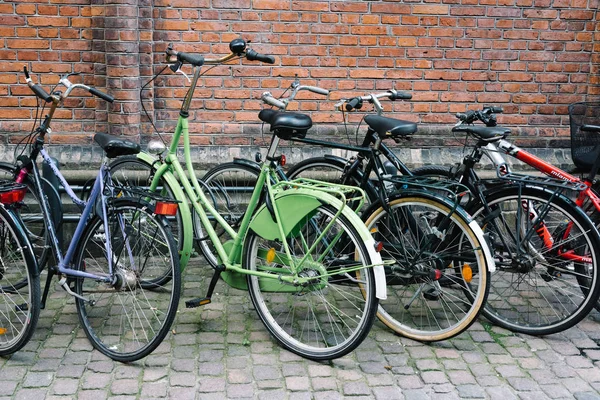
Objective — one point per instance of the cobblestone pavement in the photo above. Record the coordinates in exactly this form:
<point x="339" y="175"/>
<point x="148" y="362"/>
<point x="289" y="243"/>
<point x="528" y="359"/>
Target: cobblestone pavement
<point x="223" y="351"/>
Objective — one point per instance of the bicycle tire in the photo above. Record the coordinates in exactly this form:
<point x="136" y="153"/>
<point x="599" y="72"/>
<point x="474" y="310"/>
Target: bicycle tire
<point x="539" y="293"/>
<point x="439" y="284"/>
<point x="19" y="285"/>
<point x="293" y="322"/>
<point x="29" y="212"/>
<point x="230" y="187"/>
<point x="130" y="171"/>
<point x="129" y="302"/>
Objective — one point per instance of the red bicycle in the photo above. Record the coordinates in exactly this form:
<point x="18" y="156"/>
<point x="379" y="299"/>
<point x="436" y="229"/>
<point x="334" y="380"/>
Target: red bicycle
<point x="544" y="245"/>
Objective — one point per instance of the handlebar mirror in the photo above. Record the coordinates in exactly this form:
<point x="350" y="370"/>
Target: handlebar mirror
<point x="237" y="46"/>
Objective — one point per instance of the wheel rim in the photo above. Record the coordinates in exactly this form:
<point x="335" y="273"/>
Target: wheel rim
<point x="419" y="305"/>
<point x="326" y="321"/>
<point x="539" y="290"/>
<point x="128" y="319"/>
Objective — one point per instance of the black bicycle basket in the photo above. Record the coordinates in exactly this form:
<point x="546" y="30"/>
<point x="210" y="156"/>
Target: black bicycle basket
<point x="585" y="146"/>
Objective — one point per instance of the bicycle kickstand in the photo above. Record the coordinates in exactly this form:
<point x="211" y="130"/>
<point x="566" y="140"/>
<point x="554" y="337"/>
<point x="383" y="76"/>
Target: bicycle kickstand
<point x="197" y="302"/>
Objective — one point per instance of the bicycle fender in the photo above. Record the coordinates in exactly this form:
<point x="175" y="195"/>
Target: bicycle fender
<point x="490" y="263"/>
<point x="248" y="163"/>
<point x="294" y="205"/>
<point x="186" y="215"/>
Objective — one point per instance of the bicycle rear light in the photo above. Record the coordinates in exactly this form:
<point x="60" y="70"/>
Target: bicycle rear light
<point x="14" y="196"/>
<point x="164" y="208"/>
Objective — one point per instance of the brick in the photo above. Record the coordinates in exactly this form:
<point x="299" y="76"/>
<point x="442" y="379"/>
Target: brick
<point x="430" y="9"/>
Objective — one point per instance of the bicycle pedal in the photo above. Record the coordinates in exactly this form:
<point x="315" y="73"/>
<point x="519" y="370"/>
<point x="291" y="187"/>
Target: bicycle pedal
<point x="431" y="294"/>
<point x="197" y="302"/>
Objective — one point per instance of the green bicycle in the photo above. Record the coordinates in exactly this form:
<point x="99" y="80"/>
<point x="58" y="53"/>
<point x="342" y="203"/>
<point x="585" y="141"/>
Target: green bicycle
<point x="310" y="264"/>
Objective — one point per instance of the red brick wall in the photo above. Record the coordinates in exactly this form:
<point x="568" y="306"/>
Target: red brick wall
<point x="533" y="57"/>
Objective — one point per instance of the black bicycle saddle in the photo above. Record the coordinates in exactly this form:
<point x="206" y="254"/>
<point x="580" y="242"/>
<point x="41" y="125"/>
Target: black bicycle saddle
<point x="114" y="146"/>
<point x="390" y="127"/>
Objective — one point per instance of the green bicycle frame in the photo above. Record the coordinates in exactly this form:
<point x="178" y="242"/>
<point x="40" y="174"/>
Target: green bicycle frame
<point x="303" y="201"/>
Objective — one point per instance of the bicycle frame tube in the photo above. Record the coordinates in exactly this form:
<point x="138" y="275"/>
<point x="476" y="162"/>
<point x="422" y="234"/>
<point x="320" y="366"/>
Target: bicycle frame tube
<point x="64" y="262"/>
<point x="201" y="204"/>
<point x="62" y="179"/>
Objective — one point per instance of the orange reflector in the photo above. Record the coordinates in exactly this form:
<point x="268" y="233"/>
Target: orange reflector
<point x="13" y="196"/>
<point x="282" y="160"/>
<point x="271" y="255"/>
<point x="467" y="273"/>
<point x="165" y="208"/>
<point x="2" y="331"/>
<point x="373" y="230"/>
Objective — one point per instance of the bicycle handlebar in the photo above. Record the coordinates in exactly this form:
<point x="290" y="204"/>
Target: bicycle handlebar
<point x="102" y="95"/>
<point x="356" y="103"/>
<point x="268" y="98"/>
<point x="237" y="47"/>
<point x="272" y="101"/>
<point x="486" y="115"/>
<point x="42" y="94"/>
<point x="35" y="88"/>
<point x="252" y="55"/>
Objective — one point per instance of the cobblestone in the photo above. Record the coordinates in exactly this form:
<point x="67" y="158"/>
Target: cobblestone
<point x="209" y="357"/>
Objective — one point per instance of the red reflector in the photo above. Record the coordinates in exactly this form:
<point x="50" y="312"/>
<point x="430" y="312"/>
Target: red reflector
<point x="282" y="160"/>
<point x="165" y="208"/>
<point x="378" y="246"/>
<point x="438" y="274"/>
<point x="13" y="196"/>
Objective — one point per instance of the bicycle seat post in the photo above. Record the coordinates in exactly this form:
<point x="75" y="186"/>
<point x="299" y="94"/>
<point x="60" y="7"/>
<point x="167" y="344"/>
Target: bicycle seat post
<point x="273" y="148"/>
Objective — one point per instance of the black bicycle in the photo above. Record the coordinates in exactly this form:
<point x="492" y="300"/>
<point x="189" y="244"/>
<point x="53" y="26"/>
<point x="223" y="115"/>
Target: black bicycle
<point x="438" y="262"/>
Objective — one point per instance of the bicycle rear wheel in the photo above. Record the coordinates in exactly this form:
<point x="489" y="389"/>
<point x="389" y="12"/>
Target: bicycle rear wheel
<point x="327" y="317"/>
<point x="439" y="281"/>
<point x="546" y="252"/>
<point x="19" y="286"/>
<point x="129" y="317"/>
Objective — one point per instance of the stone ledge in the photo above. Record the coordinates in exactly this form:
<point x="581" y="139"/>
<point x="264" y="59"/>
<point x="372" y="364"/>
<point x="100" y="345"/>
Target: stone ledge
<point x="80" y="163"/>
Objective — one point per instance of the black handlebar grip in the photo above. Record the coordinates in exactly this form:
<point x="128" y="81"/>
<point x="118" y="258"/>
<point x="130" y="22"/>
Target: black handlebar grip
<point x="25" y="71"/>
<point x="497" y="110"/>
<point x="353" y="104"/>
<point x="41" y="93"/>
<point x="193" y="59"/>
<point x="102" y="95"/>
<point x="466" y="117"/>
<point x="252" y="55"/>
<point x="400" y="95"/>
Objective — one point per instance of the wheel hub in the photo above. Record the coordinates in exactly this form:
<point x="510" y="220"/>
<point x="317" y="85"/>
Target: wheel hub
<point x="125" y="280"/>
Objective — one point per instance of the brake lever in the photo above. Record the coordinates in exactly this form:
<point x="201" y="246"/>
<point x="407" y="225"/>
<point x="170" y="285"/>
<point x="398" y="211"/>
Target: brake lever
<point x="177" y="69"/>
<point x="184" y="74"/>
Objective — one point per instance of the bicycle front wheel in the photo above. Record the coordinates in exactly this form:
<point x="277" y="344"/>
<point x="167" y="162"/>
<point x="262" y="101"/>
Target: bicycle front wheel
<point x="546" y="252"/>
<point x="19" y="286"/>
<point x="128" y="317"/>
<point x="328" y="315"/>
<point x="438" y="283"/>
